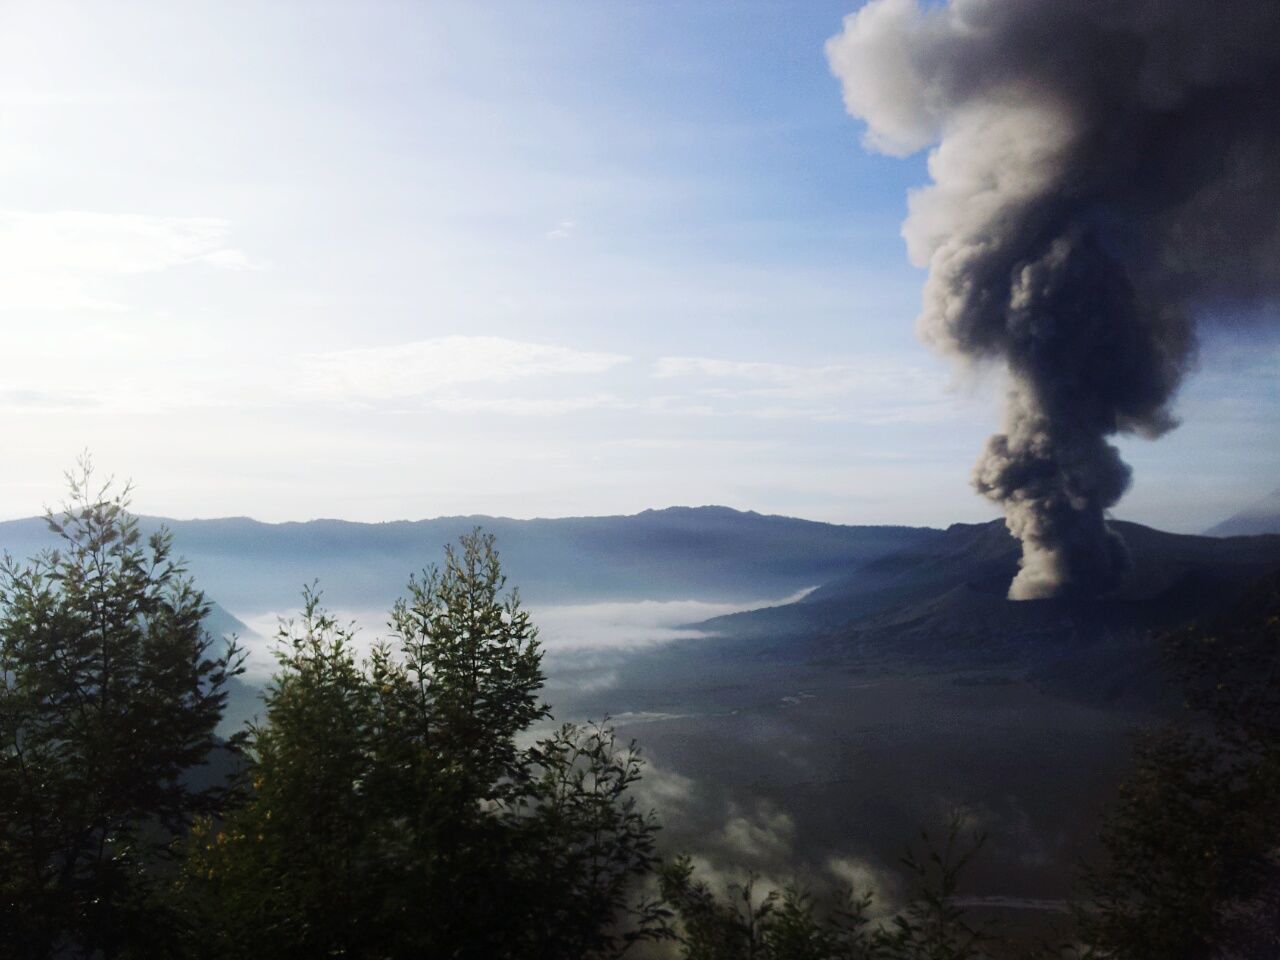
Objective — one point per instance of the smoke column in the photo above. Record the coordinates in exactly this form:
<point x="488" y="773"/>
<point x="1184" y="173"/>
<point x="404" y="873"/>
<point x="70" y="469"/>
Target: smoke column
<point x="1104" y="173"/>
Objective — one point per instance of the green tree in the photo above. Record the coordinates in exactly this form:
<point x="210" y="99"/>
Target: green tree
<point x="110" y="691"/>
<point x="711" y="928"/>
<point x="290" y="872"/>
<point x="583" y="847"/>
<point x="393" y="812"/>
<point x="1192" y="843"/>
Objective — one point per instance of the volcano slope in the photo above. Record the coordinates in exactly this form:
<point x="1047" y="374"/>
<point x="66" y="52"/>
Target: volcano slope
<point x="942" y="605"/>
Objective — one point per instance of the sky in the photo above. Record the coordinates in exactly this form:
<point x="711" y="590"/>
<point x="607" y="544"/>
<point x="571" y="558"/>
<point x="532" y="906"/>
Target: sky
<point x="378" y="260"/>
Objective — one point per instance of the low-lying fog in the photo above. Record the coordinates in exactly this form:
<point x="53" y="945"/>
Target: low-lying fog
<point x="573" y="636"/>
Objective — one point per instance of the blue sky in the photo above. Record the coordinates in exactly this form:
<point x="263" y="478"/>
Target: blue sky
<point x="376" y="260"/>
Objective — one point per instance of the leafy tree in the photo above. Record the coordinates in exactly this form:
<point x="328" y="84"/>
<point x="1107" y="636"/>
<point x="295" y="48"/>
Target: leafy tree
<point x="1192" y="843"/>
<point x="109" y="695"/>
<point x="392" y="811"/>
<point x="288" y="873"/>
<point x="711" y="928"/>
<point x="934" y="926"/>
<point x="780" y="925"/>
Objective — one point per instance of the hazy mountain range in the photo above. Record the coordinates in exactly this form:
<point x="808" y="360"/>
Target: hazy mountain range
<point x="676" y="553"/>
<point x="897" y="592"/>
<point x="881" y="591"/>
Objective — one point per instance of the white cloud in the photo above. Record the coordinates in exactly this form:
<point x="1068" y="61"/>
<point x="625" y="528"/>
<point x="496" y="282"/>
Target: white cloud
<point x="527" y="406"/>
<point x="111" y="366"/>
<point x="561" y="231"/>
<point x="429" y="368"/>
<point x="61" y="260"/>
<point x="28" y="400"/>
<point x="794" y="380"/>
<point x="877" y="392"/>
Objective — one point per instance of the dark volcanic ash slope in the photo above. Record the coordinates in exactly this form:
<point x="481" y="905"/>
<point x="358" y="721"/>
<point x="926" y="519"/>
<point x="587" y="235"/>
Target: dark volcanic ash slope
<point x="943" y="604"/>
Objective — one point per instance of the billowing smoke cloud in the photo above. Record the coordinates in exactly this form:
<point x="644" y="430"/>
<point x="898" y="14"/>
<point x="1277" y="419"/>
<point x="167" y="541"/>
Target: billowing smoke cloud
<point x="1105" y="172"/>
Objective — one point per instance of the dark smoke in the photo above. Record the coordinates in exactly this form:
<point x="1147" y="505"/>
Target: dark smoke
<point x="1105" y="172"/>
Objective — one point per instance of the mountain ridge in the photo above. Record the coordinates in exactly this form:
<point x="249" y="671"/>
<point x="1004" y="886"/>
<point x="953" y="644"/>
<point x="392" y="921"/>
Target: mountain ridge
<point x="708" y="552"/>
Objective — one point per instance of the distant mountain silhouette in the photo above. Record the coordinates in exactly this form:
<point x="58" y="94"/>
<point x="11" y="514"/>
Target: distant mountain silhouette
<point x="942" y="603"/>
<point x="676" y="553"/>
<point x="1261" y="517"/>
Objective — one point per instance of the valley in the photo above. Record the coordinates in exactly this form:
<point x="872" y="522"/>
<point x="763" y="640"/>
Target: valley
<point x="807" y="696"/>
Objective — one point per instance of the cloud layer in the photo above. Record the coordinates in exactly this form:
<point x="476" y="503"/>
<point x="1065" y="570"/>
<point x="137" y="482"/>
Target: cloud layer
<point x="434" y="367"/>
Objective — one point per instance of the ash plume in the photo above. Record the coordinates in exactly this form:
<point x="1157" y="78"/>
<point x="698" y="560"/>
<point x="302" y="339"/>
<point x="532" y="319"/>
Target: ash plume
<point x="1105" y="175"/>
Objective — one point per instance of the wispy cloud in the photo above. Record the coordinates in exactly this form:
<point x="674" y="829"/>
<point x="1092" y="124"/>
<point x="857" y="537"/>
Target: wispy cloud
<point x="455" y="375"/>
<point x="875" y="393"/>
<point x="527" y="406"/>
<point x="432" y="370"/>
<point x="60" y="260"/>
<point x="29" y="97"/>
<point x="563" y="230"/>
<point x="793" y="381"/>
<point x="28" y="400"/>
